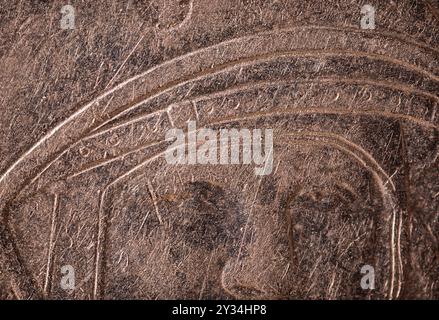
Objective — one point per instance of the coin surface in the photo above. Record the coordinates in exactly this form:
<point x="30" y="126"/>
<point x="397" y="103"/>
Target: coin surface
<point x="342" y="202"/>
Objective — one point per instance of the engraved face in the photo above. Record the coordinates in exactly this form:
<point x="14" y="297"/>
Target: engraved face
<point x="86" y="187"/>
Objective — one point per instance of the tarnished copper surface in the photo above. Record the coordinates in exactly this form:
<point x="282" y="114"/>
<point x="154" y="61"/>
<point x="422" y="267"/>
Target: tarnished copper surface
<point x="83" y="180"/>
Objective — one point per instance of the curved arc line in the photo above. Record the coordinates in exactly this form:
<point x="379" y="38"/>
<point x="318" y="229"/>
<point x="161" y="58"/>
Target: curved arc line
<point x="91" y="103"/>
<point x="264" y="58"/>
<point x="396" y="116"/>
<point x="101" y="233"/>
<point x="309" y="111"/>
<point x="181" y="58"/>
<point x="265" y="84"/>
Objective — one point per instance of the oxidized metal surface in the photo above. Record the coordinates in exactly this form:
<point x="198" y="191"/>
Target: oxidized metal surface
<point x="84" y="182"/>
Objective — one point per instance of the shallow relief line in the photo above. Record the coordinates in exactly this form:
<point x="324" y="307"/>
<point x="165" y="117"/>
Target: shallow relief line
<point x="78" y="125"/>
<point x="329" y="139"/>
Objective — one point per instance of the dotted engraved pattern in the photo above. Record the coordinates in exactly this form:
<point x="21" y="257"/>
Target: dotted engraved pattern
<point x="313" y="95"/>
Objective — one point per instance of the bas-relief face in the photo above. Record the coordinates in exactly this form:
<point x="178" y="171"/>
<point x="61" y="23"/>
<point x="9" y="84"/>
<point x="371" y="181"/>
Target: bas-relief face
<point x="389" y="74"/>
<point x="314" y="232"/>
